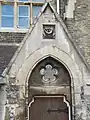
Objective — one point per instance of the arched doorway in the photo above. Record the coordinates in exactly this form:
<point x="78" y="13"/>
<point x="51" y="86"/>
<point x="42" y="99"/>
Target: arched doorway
<point x="49" y="91"/>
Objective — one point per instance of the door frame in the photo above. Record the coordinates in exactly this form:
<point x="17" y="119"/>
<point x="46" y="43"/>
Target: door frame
<point x="51" y="96"/>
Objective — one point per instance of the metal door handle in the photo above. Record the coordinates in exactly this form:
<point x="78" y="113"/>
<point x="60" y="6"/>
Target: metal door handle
<point x="57" y="110"/>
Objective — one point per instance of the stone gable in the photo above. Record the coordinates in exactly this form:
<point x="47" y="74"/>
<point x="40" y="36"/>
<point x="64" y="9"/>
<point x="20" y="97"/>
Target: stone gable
<point x="62" y="41"/>
<point x="48" y="38"/>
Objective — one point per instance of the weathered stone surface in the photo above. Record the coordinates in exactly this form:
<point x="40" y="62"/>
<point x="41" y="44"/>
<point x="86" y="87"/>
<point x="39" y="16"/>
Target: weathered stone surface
<point x="79" y="27"/>
<point x="13" y="94"/>
<point x="35" y="49"/>
<point x="2" y="101"/>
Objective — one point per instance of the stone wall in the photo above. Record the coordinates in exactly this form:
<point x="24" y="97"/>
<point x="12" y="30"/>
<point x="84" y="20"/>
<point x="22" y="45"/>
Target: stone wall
<point x="12" y="102"/>
<point x="79" y="27"/>
<point x="15" y="106"/>
<point x="79" y="30"/>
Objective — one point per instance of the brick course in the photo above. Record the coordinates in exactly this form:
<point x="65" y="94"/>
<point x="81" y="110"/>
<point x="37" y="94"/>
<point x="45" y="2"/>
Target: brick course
<point x="11" y="37"/>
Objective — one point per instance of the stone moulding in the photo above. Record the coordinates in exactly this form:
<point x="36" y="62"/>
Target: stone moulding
<point x="63" y="57"/>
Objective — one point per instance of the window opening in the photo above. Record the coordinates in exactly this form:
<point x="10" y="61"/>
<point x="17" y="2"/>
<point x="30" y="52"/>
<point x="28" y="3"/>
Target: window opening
<point x="7" y="18"/>
<point x="19" y="14"/>
<point x="23" y="17"/>
<point x="23" y="0"/>
<point x="39" y="0"/>
<point x="35" y="11"/>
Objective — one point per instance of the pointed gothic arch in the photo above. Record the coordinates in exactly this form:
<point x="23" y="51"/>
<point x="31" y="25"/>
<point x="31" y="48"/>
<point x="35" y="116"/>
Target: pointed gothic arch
<point x="50" y="79"/>
<point x="62" y="57"/>
<point x="49" y="72"/>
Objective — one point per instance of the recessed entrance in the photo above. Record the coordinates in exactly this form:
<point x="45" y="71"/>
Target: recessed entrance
<point x="49" y="91"/>
<point x="49" y="108"/>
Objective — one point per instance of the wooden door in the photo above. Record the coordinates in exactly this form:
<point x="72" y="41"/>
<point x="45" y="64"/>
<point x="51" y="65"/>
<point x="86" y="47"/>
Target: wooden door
<point x="48" y="108"/>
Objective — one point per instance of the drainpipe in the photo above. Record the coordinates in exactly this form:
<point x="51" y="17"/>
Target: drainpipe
<point x="58" y="6"/>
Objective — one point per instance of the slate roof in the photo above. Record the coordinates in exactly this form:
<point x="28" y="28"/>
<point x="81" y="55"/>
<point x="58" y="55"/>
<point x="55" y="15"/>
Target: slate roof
<point x="6" y="53"/>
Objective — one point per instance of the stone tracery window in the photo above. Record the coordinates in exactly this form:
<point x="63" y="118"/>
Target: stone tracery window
<point x="49" y="72"/>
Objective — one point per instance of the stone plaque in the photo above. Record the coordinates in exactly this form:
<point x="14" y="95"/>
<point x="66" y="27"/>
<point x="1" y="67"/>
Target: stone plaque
<point x="48" y="31"/>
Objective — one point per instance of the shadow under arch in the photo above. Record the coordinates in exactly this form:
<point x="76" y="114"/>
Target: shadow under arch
<point x="55" y="65"/>
<point x="63" y="57"/>
<point x="40" y="79"/>
<point x="53" y="57"/>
